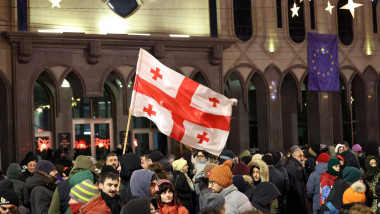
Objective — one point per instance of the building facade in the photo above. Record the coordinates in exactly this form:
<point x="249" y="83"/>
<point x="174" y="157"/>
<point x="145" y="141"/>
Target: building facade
<point x="67" y="72"/>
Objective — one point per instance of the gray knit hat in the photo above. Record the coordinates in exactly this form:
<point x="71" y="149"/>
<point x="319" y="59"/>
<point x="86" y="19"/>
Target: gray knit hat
<point x="84" y="191"/>
<point x="214" y="200"/>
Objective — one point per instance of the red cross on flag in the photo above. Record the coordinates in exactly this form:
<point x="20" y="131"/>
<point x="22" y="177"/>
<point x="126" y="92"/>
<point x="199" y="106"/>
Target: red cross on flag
<point x="180" y="107"/>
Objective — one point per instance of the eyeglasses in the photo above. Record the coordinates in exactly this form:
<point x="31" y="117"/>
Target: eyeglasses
<point x="210" y="182"/>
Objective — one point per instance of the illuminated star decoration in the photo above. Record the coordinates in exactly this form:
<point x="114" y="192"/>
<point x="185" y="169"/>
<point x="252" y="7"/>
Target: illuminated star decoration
<point x="43" y="144"/>
<point x="55" y="3"/>
<point x="102" y="143"/>
<point x="329" y="7"/>
<point x="81" y="144"/>
<point x="351" y="6"/>
<point x="294" y="10"/>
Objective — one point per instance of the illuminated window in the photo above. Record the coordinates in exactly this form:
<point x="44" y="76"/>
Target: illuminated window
<point x="42" y="113"/>
<point x="92" y="107"/>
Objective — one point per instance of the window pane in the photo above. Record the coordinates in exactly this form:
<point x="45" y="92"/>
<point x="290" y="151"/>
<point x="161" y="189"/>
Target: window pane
<point x="296" y="23"/>
<point x="42" y="118"/>
<point x="102" y="140"/>
<point x="101" y="107"/>
<point x="243" y="19"/>
<point x="82" y="140"/>
<point x="345" y="26"/>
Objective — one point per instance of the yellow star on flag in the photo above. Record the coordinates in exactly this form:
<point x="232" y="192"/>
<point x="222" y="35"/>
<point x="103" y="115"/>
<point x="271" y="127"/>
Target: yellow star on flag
<point x="351" y="6"/>
<point x="329" y="7"/>
<point x="294" y="10"/>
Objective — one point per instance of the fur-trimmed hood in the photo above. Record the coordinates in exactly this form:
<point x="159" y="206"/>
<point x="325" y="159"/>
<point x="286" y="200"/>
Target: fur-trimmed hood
<point x="264" y="171"/>
<point x="358" y="186"/>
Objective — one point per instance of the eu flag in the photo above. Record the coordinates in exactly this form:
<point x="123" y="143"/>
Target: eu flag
<point x="323" y="62"/>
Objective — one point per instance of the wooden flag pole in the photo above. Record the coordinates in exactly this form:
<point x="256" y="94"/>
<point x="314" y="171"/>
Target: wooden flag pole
<point x="126" y="131"/>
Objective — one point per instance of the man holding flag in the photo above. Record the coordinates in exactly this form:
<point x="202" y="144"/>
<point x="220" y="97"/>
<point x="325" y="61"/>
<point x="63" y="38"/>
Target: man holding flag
<point x="180" y="107"/>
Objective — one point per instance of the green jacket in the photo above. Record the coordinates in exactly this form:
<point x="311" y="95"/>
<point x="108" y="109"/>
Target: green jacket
<point x="13" y="174"/>
<point x="81" y="163"/>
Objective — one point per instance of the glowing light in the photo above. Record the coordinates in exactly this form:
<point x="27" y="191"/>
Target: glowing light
<point x="369" y="52"/>
<point x="43" y="144"/>
<point x="351" y="6"/>
<point x="55" y="3"/>
<point x="271" y="48"/>
<point x="139" y="34"/>
<point x="65" y="84"/>
<point x="329" y="7"/>
<point x="294" y="10"/>
<point x="135" y="143"/>
<point x="81" y="144"/>
<point x="179" y="35"/>
<point x="102" y="143"/>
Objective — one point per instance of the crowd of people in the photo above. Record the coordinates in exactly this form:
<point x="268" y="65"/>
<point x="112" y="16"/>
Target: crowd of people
<point x="317" y="179"/>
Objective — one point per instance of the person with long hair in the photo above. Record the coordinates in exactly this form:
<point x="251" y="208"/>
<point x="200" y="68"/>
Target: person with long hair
<point x="167" y="201"/>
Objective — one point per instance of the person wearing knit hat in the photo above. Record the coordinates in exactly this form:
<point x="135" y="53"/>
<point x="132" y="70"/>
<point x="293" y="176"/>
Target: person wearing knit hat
<point x="313" y="184"/>
<point x="357" y="148"/>
<point x="334" y="201"/>
<point x="240" y="169"/>
<point x="183" y="184"/>
<point x="47" y="167"/>
<point x="244" y="153"/>
<point x="328" y="178"/>
<point x="8" y="201"/>
<point x="29" y="165"/>
<point x="220" y="181"/>
<point x="353" y="195"/>
<point x="212" y="200"/>
<point x="323" y="158"/>
<point x="81" y="194"/>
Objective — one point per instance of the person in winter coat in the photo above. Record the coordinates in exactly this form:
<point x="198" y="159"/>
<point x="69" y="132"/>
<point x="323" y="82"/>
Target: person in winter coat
<point x="297" y="179"/>
<point x="201" y="159"/>
<point x="61" y="197"/>
<point x="213" y="201"/>
<point x="259" y="171"/>
<point x="143" y="183"/>
<point x="275" y="177"/>
<point x="350" y="158"/>
<point x="29" y="164"/>
<point x="183" y="183"/>
<point x="244" y="187"/>
<point x="41" y="187"/>
<point x="334" y="200"/>
<point x="311" y="156"/>
<point x="263" y="195"/>
<point x="313" y="184"/>
<point x="328" y="178"/>
<point x="352" y="196"/>
<point x="128" y="163"/>
<point x="167" y="202"/>
<point x="372" y="177"/>
<point x="280" y="165"/>
<point x="82" y="193"/>
<point x="13" y="174"/>
<point x="220" y="181"/>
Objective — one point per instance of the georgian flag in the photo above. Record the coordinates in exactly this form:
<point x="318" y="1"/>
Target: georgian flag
<point x="180" y="107"/>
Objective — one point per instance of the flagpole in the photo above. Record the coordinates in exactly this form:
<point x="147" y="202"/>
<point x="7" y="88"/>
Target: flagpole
<point x="351" y="122"/>
<point x="126" y="131"/>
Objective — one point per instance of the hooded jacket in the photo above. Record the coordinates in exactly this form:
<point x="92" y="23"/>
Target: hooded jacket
<point x="13" y="174"/>
<point x="313" y="185"/>
<point x="129" y="163"/>
<point x="140" y="183"/>
<point x="263" y="167"/>
<point x="41" y="187"/>
<point x="184" y="191"/>
<point x="61" y="198"/>
<point x="263" y="195"/>
<point x="236" y="202"/>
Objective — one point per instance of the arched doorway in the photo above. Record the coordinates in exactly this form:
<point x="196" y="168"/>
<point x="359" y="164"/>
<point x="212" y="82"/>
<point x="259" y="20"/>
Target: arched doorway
<point x="237" y="139"/>
<point x="359" y="110"/>
<point x="258" y="114"/>
<point x="346" y="111"/>
<point x="6" y="148"/>
<point x="289" y="111"/>
<point x="44" y="93"/>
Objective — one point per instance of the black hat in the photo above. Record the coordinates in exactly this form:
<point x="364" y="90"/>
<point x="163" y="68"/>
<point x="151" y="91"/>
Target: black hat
<point x="156" y="156"/>
<point x="108" y="168"/>
<point x="8" y="197"/>
<point x="29" y="157"/>
<point x="268" y="159"/>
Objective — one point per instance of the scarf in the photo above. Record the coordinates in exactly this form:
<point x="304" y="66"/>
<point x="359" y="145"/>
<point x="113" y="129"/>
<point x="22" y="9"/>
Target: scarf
<point x="189" y="181"/>
<point x="112" y="202"/>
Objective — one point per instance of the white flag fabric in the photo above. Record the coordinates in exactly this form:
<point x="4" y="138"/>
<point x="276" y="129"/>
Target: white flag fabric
<point x="180" y="107"/>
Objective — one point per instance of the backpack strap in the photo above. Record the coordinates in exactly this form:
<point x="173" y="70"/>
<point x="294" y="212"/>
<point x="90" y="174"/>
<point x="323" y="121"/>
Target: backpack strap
<point x="331" y="207"/>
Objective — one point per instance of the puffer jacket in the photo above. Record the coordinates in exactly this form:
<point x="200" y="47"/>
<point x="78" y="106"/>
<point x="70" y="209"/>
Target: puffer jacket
<point x="41" y="187"/>
<point x="236" y="202"/>
<point x="313" y="185"/>
<point x="96" y="206"/>
<point x="13" y="174"/>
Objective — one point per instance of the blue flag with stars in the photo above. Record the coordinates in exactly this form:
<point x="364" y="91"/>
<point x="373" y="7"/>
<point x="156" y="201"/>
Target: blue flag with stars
<point x="323" y="62"/>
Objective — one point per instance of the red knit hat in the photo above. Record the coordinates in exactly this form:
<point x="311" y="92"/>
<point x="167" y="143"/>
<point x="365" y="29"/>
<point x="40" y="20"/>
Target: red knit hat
<point x="323" y="158"/>
<point x="240" y="169"/>
<point x="222" y="174"/>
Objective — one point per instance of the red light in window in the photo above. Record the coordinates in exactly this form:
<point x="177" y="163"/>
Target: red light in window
<point x="42" y="144"/>
<point x="135" y="143"/>
<point x="81" y="144"/>
<point x="102" y="143"/>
